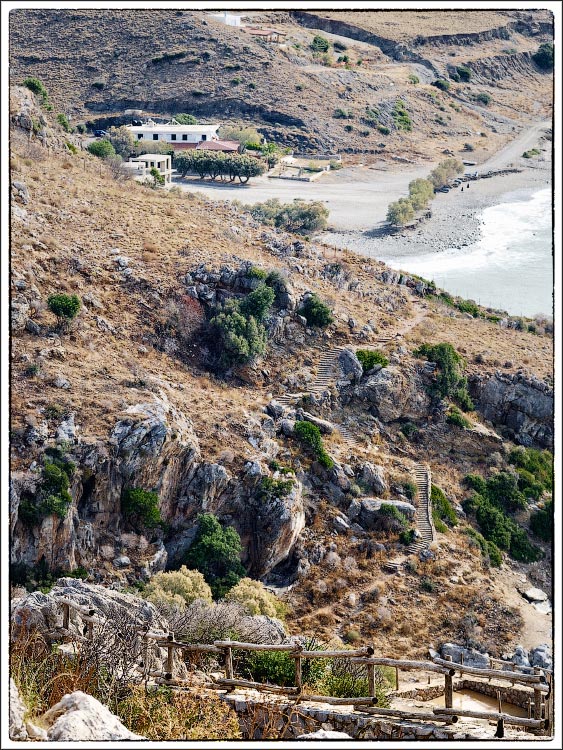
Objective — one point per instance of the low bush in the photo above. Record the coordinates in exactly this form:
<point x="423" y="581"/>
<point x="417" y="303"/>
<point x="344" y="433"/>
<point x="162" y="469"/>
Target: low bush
<point x="237" y="338"/>
<point x="400" y="212"/>
<point x="315" y="312"/>
<point x="464" y="73"/>
<point x="270" y="489"/>
<point x="407" y="537"/>
<point x="544" y="56"/>
<point x="483" y="98"/>
<point x="216" y="553"/>
<point x="401" y="117"/>
<point x="428" y="585"/>
<point x="442" y="84"/>
<point x="36" y="87"/>
<point x="257" y="304"/>
<point x="421" y="193"/>
<point x="180" y="587"/>
<point x="449" y="380"/>
<point x="441" y="507"/>
<point x="40" y="577"/>
<point x="301" y="217"/>
<point x="391" y="519"/>
<point x="541" y="522"/>
<point x="52" y="496"/>
<point x="185" y="119"/>
<point x="320" y="44"/>
<point x="456" y="418"/>
<point x="64" y="306"/>
<point x="414" y="79"/>
<point x="278" y="282"/>
<point x="445" y="171"/>
<point x="62" y="119"/>
<point x="140" y="508"/>
<point x="309" y="435"/>
<point x="271" y="667"/>
<point x="531" y="153"/>
<point x="409" y="430"/>
<point x="256" y="599"/>
<point x="369" y="359"/>
<point x="102" y="149"/>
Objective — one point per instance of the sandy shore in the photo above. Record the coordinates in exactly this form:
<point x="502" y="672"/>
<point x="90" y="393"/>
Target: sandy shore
<point x="456" y="217"/>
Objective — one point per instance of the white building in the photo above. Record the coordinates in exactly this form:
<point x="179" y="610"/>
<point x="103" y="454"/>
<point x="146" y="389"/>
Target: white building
<point x="227" y="18"/>
<point x="180" y="136"/>
<point x="141" y="165"/>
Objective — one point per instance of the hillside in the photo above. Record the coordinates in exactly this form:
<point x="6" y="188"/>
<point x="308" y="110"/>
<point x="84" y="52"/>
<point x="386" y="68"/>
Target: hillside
<point x="165" y="62"/>
<point x="129" y="394"/>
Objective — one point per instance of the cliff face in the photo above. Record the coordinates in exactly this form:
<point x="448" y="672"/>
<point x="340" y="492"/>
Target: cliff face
<point x="152" y="445"/>
<point x="522" y="404"/>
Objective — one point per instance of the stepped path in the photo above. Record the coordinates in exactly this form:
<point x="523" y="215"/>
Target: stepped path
<point x="423" y="519"/>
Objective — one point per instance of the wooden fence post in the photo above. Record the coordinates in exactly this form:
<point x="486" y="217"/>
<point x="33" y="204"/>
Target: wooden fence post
<point x="396" y="678"/>
<point x="298" y="669"/>
<point x="66" y="616"/>
<point x="169" y="663"/>
<point x="371" y="680"/>
<point x="449" y="688"/>
<point x="537" y="698"/>
<point x="228" y="663"/>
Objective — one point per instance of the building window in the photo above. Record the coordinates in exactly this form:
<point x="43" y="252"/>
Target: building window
<point x="173" y="136"/>
<point x="140" y="136"/>
<point x="184" y="136"/>
<point x="155" y="137"/>
<point x="204" y="137"/>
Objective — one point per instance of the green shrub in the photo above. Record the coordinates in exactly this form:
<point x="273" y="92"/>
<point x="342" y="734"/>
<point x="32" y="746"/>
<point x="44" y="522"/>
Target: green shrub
<point x="521" y="548"/>
<point x="122" y="141"/>
<point x="414" y="79"/>
<point x="342" y="114"/>
<point x="468" y="306"/>
<point x="278" y="282"/>
<point x="401" y="117"/>
<point x="456" y="418"/>
<point x="531" y="152"/>
<point x="320" y="44"/>
<point x="39" y="577"/>
<point x="52" y="496"/>
<point x="369" y="359"/>
<point x="442" y="84"/>
<point x="339" y="47"/>
<point x="71" y="147"/>
<point x="394" y="519"/>
<point x="383" y="129"/>
<point x="544" y="56"/>
<point x="238" y="338"/>
<point x="407" y="537"/>
<point x="185" y="119"/>
<point x="62" y="119"/>
<point x="256" y="273"/>
<point x="495" y="555"/>
<point x="157" y="177"/>
<point x="256" y="599"/>
<point x="309" y="435"/>
<point x="409" y="488"/>
<point x="420" y="193"/>
<point x="299" y="216"/>
<point x="64" y="306"/>
<point x="442" y="507"/>
<point x="216" y="553"/>
<point x="541" y="522"/>
<point x="98" y="85"/>
<point x="101" y="149"/>
<point x="36" y="87"/>
<point x="269" y="488"/>
<point x="257" y="304"/>
<point x="400" y="212"/>
<point x="464" y="73"/>
<point x="502" y="490"/>
<point x="140" y="508"/>
<point x="449" y="380"/>
<point x="439" y="525"/>
<point x="409" y="430"/>
<point x="483" y="98"/>
<point x="445" y="171"/>
<point x="180" y="587"/>
<point x="538" y="463"/>
<point x="428" y="585"/>
<point x="315" y="312"/>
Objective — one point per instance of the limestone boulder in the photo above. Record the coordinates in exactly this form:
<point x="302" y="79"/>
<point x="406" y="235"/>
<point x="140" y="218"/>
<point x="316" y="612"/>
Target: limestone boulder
<point x="370" y="513"/>
<point x="324" y="734"/>
<point x="350" y="366"/>
<point x="79" y="717"/>
<point x="372" y="478"/>
<point x="16" y="726"/>
<point x="394" y="393"/>
<point x="471" y="657"/>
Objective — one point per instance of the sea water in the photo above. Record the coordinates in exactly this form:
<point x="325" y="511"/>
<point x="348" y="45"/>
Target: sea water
<point x="510" y="268"/>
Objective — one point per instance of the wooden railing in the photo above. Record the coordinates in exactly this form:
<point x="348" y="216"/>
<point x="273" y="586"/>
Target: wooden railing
<point x="541" y="682"/>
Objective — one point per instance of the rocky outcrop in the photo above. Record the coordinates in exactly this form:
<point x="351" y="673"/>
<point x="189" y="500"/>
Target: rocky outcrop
<point x="521" y="403"/>
<point x="17" y="730"/>
<point x="79" y="717"/>
<point x="152" y="446"/>
<point x="370" y="513"/>
<point x="394" y="393"/>
<point x="471" y="657"/>
<point x="373" y="478"/>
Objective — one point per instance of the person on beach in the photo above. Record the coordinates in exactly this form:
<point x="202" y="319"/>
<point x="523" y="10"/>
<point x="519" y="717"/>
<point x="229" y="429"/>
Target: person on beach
<point x="462" y="188"/>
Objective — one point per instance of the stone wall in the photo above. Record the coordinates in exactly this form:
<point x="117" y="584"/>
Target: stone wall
<point x="267" y="717"/>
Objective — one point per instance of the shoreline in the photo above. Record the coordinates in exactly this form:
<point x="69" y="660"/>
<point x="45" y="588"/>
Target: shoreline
<point x="455" y="222"/>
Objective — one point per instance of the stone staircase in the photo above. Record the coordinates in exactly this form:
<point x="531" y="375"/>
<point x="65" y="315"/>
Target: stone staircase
<point x="424" y="512"/>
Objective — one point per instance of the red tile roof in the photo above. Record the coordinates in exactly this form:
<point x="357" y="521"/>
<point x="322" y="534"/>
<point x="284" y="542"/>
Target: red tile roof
<point x="218" y="145"/>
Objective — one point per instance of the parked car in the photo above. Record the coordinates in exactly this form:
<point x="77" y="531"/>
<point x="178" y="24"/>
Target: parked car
<point x="100" y="133"/>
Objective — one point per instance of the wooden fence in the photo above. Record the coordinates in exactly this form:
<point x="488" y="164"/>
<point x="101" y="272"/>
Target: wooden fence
<point x="541" y="681"/>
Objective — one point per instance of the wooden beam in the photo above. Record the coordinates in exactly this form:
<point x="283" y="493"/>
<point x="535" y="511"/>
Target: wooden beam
<point x="490" y="716"/>
<point x="532" y="680"/>
<point x="351" y="654"/>
<point x="402" y="714"/>
<point x="427" y="666"/>
<point x="256" y="646"/>
<point x="228" y="682"/>
<point x="229" y="663"/>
